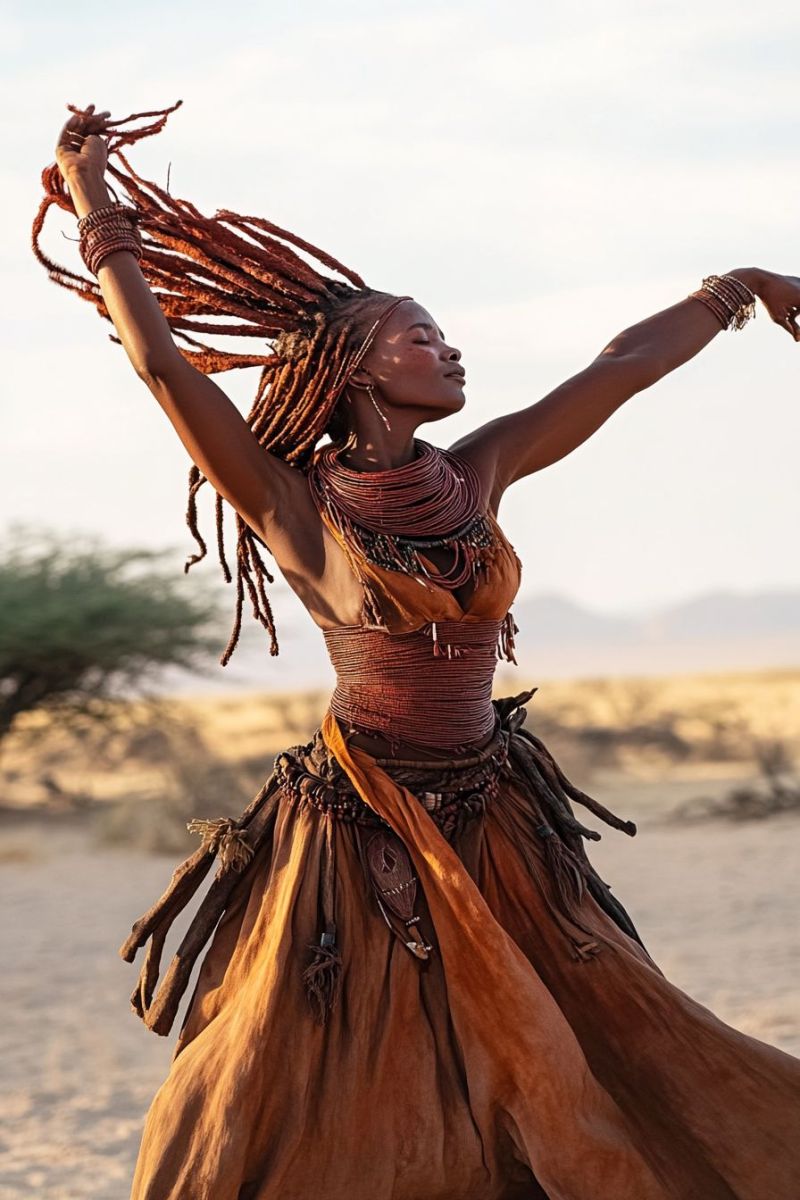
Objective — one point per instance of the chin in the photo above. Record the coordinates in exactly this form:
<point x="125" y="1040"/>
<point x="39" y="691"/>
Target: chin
<point x="454" y="398"/>
<point x="439" y="411"/>
<point x="436" y="408"/>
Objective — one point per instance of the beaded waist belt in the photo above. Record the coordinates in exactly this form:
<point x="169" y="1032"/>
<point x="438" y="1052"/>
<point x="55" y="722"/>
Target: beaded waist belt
<point x="311" y="775"/>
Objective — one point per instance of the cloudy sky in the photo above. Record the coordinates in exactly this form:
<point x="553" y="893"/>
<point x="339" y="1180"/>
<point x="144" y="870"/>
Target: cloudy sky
<point x="539" y="176"/>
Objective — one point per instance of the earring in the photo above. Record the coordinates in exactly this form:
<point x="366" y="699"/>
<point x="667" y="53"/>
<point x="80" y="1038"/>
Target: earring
<point x="377" y="407"/>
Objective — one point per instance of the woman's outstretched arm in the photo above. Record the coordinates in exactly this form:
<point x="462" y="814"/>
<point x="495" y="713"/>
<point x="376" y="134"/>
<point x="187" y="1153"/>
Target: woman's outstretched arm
<point x="515" y="445"/>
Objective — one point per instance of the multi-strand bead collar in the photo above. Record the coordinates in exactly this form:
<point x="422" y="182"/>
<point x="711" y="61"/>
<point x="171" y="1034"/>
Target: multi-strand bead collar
<point x="391" y="516"/>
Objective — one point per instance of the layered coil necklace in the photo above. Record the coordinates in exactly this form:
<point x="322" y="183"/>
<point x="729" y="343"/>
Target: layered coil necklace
<point x="390" y="516"/>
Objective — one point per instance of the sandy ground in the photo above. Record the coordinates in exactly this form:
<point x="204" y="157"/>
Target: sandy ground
<point x="716" y="905"/>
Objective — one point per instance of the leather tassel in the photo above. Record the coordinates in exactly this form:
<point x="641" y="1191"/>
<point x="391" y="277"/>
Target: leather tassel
<point x="570" y="887"/>
<point x="505" y="641"/>
<point x="445" y="649"/>
<point x="322" y="977"/>
<point x="564" y="869"/>
<point x="159" y="1008"/>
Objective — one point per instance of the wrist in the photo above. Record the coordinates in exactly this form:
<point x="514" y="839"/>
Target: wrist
<point x="751" y="277"/>
<point x="88" y="190"/>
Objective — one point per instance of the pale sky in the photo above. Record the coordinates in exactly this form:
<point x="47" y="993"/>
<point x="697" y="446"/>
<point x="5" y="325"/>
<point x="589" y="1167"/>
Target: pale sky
<point x="538" y="176"/>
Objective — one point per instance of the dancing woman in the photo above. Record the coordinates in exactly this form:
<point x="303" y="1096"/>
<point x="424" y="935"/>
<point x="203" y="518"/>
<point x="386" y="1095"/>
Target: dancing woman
<point x="417" y="987"/>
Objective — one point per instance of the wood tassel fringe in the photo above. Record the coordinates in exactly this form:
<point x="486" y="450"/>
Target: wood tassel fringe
<point x="226" y="840"/>
<point x="235" y="841"/>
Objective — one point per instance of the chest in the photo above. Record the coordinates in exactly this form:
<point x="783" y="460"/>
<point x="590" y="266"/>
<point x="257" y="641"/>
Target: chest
<point x="402" y="601"/>
<point x="442" y="559"/>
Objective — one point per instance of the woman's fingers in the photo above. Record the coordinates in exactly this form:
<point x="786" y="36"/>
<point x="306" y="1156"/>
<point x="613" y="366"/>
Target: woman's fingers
<point x="78" y="128"/>
<point x="87" y="116"/>
<point x="780" y="295"/>
<point x="68" y="136"/>
<point x="788" y="322"/>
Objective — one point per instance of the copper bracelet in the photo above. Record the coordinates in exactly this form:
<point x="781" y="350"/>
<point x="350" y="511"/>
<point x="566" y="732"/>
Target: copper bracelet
<point x="731" y="301"/>
<point x="736" y="295"/>
<point x="98" y="216"/>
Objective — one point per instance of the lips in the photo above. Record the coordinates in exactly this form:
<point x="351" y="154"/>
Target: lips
<point x="458" y="373"/>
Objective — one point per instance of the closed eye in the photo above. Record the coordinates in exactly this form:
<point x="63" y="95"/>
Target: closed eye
<point x="425" y="325"/>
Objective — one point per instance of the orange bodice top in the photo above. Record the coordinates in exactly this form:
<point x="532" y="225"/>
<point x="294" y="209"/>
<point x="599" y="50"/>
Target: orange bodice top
<point x="424" y="674"/>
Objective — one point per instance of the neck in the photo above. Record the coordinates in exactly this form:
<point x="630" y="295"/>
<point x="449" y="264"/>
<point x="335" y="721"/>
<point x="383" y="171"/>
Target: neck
<point x="370" y="446"/>
<point x="365" y="455"/>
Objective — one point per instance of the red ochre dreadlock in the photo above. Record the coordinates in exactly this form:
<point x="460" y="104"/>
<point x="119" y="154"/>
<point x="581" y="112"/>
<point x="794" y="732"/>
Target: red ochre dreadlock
<point x="248" y="269"/>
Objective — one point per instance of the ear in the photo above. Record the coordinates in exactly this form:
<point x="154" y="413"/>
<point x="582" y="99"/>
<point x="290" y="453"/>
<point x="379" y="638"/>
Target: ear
<point x="360" y="378"/>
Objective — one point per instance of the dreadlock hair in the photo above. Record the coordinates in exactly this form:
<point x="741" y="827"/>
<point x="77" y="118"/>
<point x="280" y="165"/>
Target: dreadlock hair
<point x="249" y="271"/>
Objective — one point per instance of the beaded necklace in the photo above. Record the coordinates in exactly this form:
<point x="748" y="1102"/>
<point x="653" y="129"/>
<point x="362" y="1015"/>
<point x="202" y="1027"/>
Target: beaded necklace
<point x="390" y="516"/>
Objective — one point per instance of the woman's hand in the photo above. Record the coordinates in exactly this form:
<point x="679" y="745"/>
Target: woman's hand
<point x="780" y="295"/>
<point x="80" y="149"/>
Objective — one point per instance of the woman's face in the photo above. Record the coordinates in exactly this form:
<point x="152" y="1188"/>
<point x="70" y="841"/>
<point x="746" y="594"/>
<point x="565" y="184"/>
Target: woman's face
<point x="411" y="365"/>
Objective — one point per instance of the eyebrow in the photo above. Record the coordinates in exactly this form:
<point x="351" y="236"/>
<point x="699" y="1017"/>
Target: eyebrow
<point x="424" y="325"/>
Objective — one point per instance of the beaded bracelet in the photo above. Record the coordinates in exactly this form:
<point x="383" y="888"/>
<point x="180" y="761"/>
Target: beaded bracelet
<point x="730" y="300"/>
<point x="105" y="230"/>
<point x="93" y="253"/>
<point x="720" y="310"/>
<point x="98" y="216"/>
<point x="732" y="292"/>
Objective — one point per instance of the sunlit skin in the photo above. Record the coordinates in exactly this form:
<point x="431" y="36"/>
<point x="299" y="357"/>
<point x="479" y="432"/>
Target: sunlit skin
<point x="410" y="368"/>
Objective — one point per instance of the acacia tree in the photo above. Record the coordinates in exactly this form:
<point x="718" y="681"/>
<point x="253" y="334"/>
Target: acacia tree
<point x="81" y="623"/>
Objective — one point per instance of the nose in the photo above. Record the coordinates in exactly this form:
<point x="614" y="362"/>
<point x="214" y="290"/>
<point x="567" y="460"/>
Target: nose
<point x="453" y="355"/>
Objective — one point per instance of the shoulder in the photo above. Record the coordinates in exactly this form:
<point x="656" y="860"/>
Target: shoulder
<point x="478" y="450"/>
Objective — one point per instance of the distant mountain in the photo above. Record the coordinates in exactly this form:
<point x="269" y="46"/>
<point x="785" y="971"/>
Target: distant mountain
<point x="564" y="620"/>
<point x="733" y="615"/>
<point x="716" y="631"/>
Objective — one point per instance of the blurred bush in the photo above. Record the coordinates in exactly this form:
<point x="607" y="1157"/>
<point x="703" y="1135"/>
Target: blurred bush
<point x="189" y="780"/>
<point x="81" y="623"/>
<point x="776" y="790"/>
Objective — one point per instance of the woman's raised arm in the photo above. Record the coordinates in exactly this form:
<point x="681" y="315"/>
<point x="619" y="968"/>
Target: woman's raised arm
<point x="259" y="485"/>
<point x="515" y="445"/>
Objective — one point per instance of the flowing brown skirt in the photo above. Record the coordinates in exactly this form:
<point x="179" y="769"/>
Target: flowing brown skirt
<point x="419" y="989"/>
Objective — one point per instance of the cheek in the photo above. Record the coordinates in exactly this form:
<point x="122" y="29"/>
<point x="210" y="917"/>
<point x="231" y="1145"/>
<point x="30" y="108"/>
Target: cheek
<point x="414" y="363"/>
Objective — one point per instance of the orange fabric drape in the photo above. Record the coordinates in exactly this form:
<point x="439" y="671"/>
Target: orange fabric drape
<point x="520" y="1056"/>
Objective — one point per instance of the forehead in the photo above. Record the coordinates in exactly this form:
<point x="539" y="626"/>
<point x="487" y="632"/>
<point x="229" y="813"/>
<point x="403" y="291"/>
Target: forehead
<point x="407" y="314"/>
